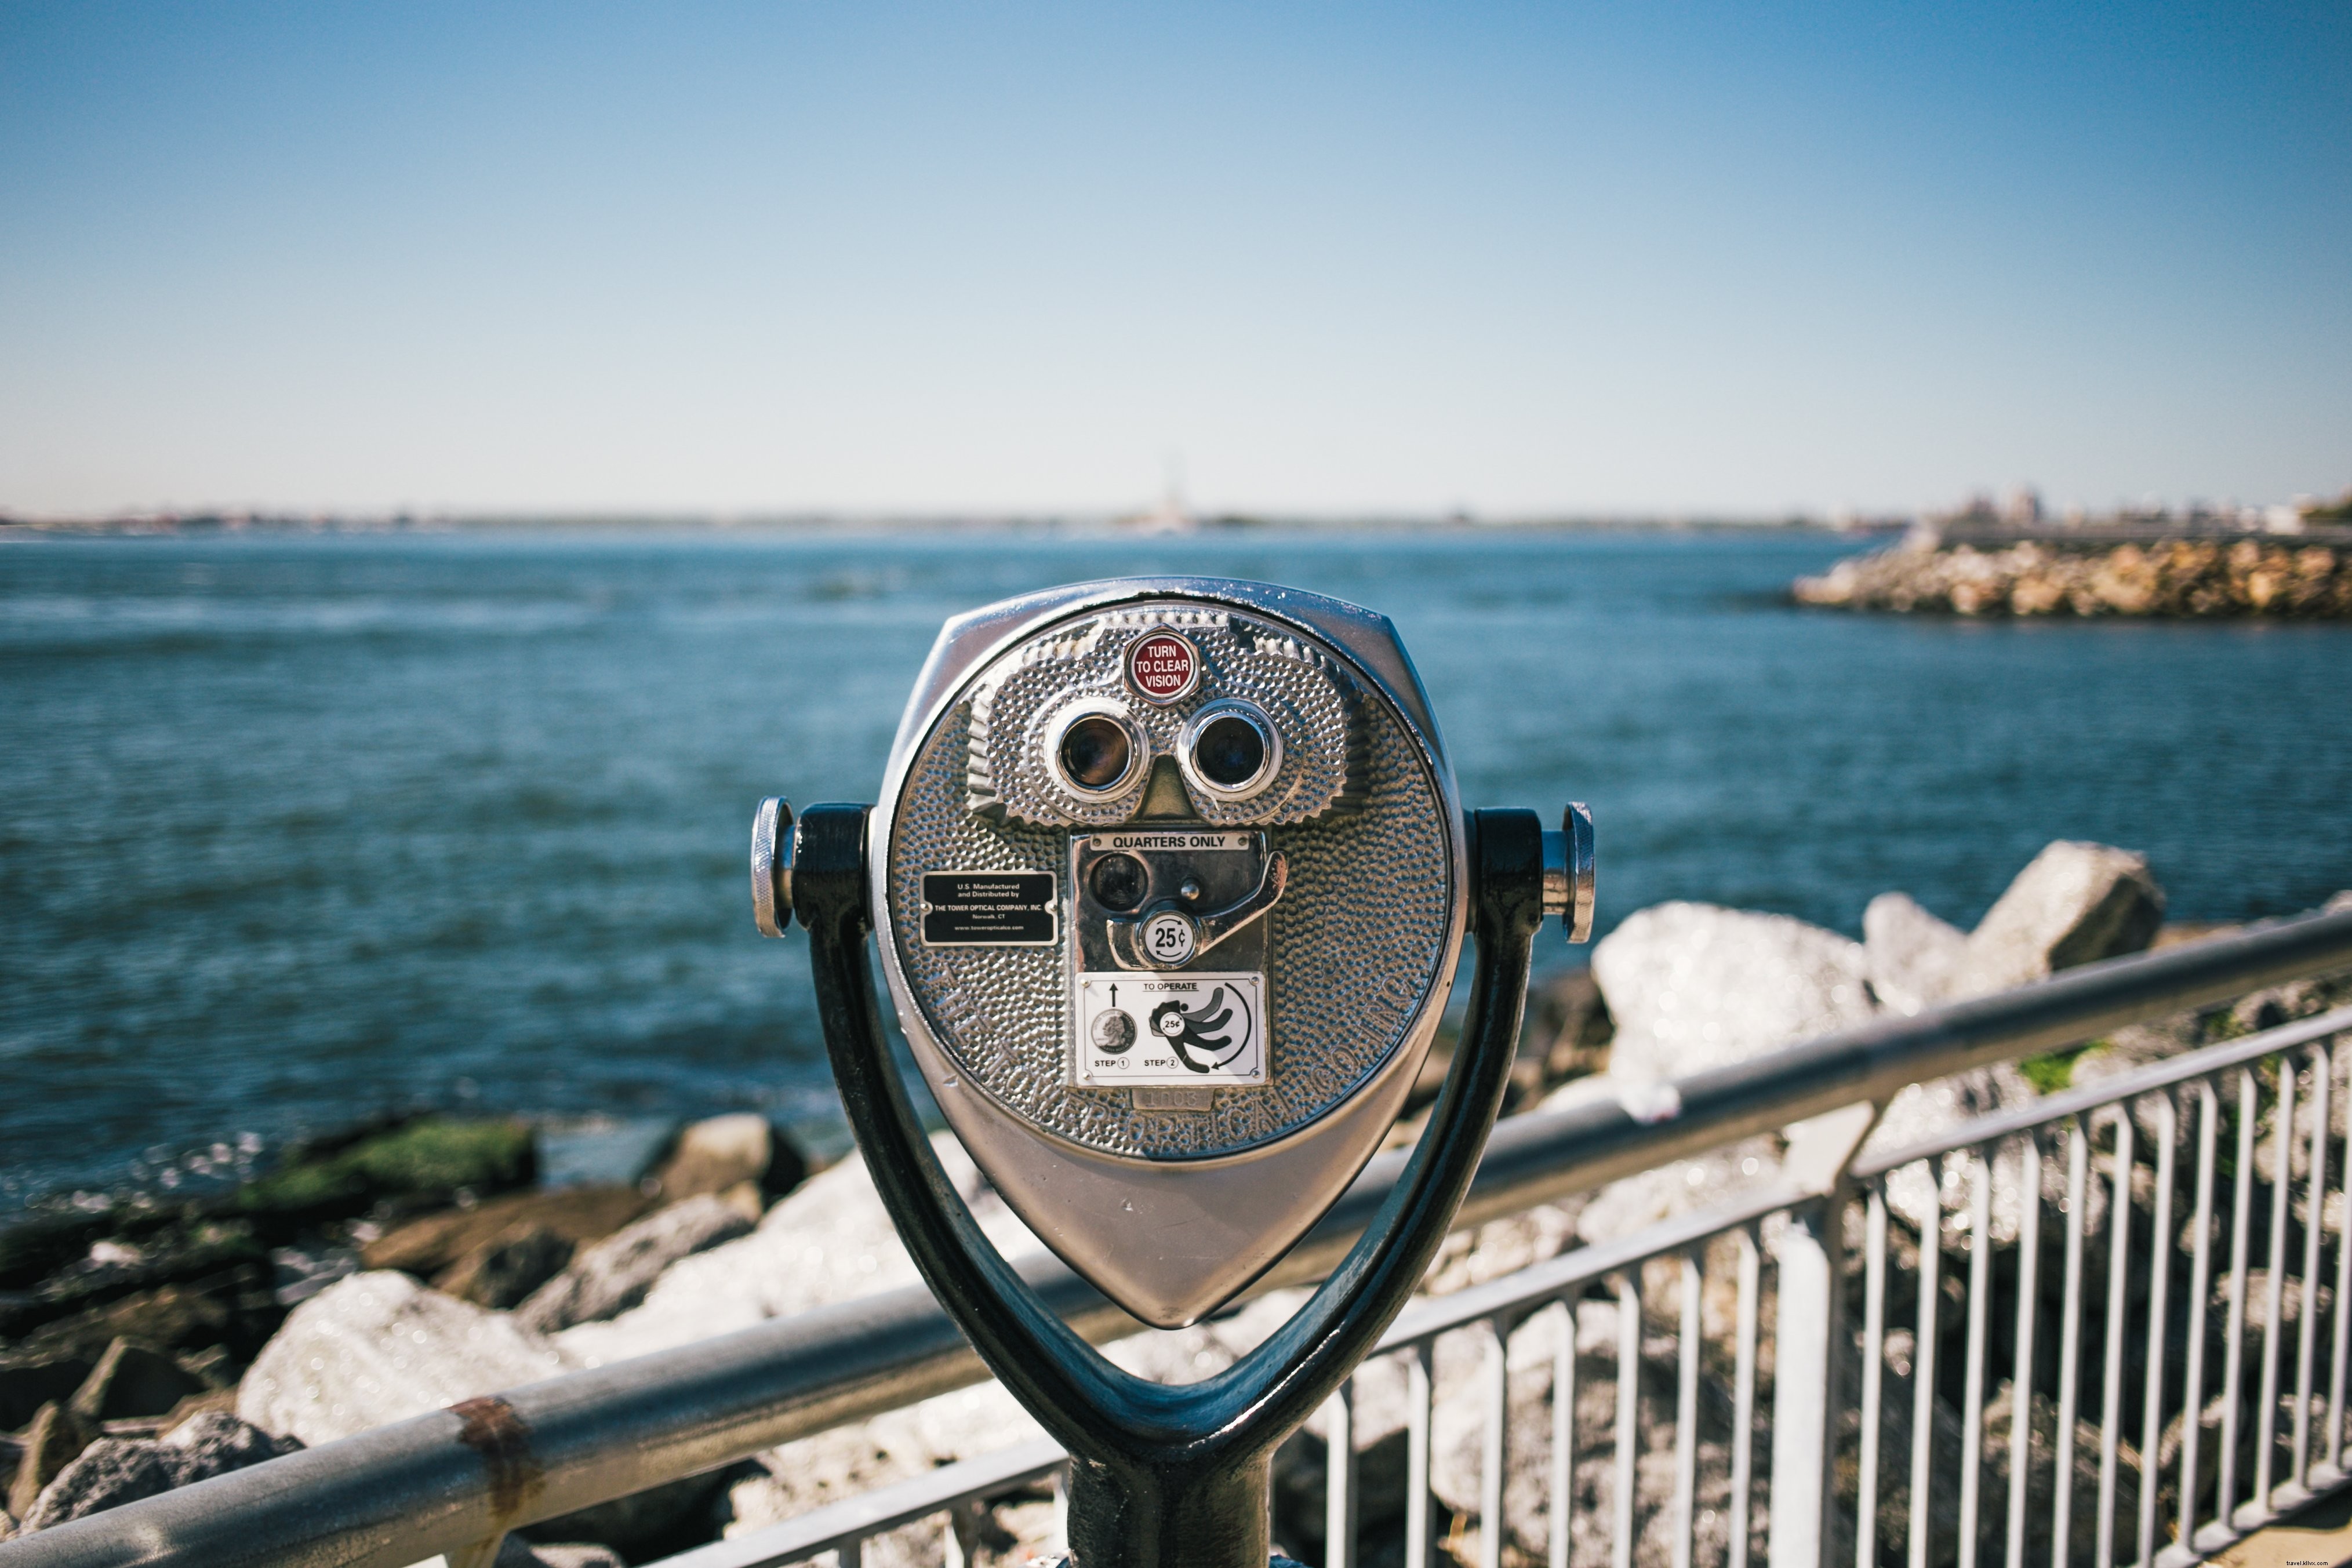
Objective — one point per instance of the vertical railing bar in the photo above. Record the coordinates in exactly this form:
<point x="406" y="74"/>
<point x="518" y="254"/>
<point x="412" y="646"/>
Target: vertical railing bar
<point x="2235" y="1335"/>
<point x="1874" y="1371"/>
<point x="2200" y="1291"/>
<point x="1339" y="1478"/>
<point x="1628" y="1395"/>
<point x="2020" y="1403"/>
<point x="2070" y="1346"/>
<point x="1743" y="1396"/>
<point x="851" y="1553"/>
<point x="1420" y="1519"/>
<point x="2274" y="1297"/>
<point x="2161" y="1246"/>
<point x="1923" y="1368"/>
<point x="1979" y="1298"/>
<point x="2306" y="1338"/>
<point x="1496" y="1400"/>
<point x="1807" y="1389"/>
<point x="2342" y="1347"/>
<point x="2111" y="1401"/>
<point x="1563" y="1437"/>
<point x="1686" y="1415"/>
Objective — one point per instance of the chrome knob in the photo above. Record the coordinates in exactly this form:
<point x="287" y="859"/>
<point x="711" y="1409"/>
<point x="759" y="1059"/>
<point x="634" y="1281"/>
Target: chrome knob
<point x="1568" y="871"/>
<point x="771" y="865"/>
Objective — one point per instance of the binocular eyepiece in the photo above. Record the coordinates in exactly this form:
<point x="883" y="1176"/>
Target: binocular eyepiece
<point x="1228" y="750"/>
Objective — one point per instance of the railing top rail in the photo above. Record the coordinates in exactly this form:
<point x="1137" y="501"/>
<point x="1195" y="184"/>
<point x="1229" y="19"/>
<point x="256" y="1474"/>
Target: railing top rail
<point x="2167" y="1074"/>
<point x="1532" y="1158"/>
<point x="884" y="1508"/>
<point x="386" y="1498"/>
<point x="1538" y="1284"/>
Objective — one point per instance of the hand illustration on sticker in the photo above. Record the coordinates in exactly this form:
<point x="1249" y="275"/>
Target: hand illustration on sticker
<point x="1189" y="1032"/>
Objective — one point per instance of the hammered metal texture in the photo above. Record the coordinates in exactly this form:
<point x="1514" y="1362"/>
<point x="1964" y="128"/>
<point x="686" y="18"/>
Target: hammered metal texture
<point x="1312" y="702"/>
<point x="1355" y="943"/>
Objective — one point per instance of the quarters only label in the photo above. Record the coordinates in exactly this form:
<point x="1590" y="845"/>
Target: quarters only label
<point x="988" y="908"/>
<point x="1198" y="1030"/>
<point x="1133" y="839"/>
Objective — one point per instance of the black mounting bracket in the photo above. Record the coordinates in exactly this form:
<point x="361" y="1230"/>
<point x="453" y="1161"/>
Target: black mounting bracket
<point x="1161" y="1475"/>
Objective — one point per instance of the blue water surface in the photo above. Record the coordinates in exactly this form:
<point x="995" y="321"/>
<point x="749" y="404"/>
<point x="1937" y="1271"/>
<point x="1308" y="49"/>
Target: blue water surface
<point x="296" y="828"/>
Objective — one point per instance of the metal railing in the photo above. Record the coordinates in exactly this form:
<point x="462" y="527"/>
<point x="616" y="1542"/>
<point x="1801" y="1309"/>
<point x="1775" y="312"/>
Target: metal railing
<point x="2265" y="1080"/>
<point x="1609" y="1281"/>
<point x="455" y="1482"/>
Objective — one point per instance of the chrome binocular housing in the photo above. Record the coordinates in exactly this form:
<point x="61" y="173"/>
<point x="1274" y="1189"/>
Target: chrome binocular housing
<point x="1168" y="880"/>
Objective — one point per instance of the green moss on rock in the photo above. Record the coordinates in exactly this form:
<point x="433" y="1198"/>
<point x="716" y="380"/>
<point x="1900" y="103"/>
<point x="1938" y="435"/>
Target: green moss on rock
<point x="2050" y="1073"/>
<point x="433" y="1157"/>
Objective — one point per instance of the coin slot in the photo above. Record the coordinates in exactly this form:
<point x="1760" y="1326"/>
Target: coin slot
<point x="1120" y="881"/>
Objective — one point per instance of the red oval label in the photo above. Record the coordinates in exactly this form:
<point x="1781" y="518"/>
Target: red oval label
<point x="1162" y="666"/>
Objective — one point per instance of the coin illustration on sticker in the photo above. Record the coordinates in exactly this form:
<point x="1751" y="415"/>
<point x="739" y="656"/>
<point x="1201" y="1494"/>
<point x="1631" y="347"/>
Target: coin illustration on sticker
<point x="1162" y="666"/>
<point x="1113" y="1031"/>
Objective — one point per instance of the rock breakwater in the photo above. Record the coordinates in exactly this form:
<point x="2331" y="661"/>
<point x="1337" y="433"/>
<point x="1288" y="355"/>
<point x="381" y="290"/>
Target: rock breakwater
<point x="2269" y="577"/>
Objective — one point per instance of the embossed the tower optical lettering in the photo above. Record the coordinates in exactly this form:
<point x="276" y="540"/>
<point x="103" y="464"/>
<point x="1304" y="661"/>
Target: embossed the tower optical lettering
<point x="1163" y="666"/>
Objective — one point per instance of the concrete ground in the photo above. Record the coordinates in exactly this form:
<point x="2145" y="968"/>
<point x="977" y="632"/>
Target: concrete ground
<point x="2318" y="1537"/>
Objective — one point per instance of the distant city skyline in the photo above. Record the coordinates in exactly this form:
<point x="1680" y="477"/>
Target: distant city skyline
<point x="1414" y="260"/>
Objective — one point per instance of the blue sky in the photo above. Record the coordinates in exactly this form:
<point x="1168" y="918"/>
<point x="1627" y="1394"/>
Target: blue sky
<point x="1516" y="260"/>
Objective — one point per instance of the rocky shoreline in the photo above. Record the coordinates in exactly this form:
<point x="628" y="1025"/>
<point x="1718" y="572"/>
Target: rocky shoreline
<point x="407" y="1266"/>
<point x="2269" y="576"/>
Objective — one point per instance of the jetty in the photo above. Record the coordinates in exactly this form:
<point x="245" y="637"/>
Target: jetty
<point x="2154" y="569"/>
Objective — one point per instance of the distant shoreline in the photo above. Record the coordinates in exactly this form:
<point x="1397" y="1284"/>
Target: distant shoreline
<point x="1084" y="525"/>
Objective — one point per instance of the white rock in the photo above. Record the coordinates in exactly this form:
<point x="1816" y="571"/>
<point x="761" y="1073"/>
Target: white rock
<point x="1693" y="985"/>
<point x="1703" y="1181"/>
<point x="2073" y="903"/>
<point x="716" y="1152"/>
<point x="830" y="1241"/>
<point x="613" y="1275"/>
<point x="1503" y="1246"/>
<point x="379" y="1347"/>
<point x="1912" y="955"/>
<point x="848" y="1460"/>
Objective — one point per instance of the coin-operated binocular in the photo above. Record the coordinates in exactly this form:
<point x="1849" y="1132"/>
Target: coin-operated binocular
<point x="1170" y="883"/>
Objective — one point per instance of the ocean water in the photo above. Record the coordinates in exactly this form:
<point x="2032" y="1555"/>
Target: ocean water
<point x="293" y="829"/>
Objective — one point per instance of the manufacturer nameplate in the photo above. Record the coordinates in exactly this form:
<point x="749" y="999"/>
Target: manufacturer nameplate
<point x="1186" y="1031"/>
<point x="988" y="908"/>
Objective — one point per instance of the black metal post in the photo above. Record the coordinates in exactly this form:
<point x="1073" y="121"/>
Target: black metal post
<point x="1168" y="1476"/>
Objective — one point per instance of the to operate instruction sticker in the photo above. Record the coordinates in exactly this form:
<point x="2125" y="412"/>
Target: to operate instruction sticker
<point x="1206" y="1030"/>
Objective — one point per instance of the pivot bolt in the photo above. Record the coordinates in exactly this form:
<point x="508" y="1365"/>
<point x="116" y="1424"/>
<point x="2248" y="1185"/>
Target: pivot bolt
<point x="773" y="839"/>
<point x="1568" y="871"/>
